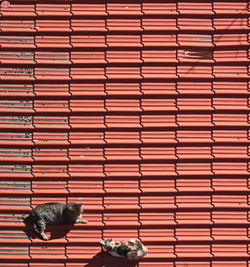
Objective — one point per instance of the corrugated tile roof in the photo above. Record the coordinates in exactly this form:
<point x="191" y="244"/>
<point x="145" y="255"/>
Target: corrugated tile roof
<point x="138" y="109"/>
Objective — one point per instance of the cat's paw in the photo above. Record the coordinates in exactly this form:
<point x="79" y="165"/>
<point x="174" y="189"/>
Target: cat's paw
<point x="44" y="237"/>
<point x="82" y="221"/>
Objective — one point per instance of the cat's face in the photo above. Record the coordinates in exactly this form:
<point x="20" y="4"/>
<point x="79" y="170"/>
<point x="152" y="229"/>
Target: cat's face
<point x="75" y="208"/>
<point x="137" y="249"/>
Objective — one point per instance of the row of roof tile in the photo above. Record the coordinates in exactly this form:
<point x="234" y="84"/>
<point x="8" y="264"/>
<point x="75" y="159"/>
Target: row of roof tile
<point x="127" y="25"/>
<point x="100" y="8"/>
<point x="125" y="40"/>
<point x="155" y="57"/>
<point x="133" y="90"/>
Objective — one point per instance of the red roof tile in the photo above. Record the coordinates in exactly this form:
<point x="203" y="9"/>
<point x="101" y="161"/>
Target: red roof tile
<point x="195" y="8"/>
<point x="193" y="251"/>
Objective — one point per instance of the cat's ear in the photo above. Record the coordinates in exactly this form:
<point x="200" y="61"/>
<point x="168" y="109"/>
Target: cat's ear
<point x="102" y="242"/>
<point x="81" y="207"/>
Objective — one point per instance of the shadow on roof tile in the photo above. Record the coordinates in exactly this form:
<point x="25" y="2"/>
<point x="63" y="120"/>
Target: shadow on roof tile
<point x="103" y="259"/>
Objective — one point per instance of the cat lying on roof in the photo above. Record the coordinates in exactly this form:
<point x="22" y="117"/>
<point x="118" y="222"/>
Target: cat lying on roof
<point x="54" y="213"/>
<point x="131" y="249"/>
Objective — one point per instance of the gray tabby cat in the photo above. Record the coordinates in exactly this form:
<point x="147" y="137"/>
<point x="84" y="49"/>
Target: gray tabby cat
<point x="54" y="213"/>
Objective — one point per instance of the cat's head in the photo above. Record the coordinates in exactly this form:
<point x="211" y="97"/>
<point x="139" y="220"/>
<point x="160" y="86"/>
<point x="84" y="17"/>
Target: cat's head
<point x="75" y="208"/>
<point x="138" y="250"/>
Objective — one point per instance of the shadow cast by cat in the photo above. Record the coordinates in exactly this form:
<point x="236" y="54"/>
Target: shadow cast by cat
<point x="65" y="215"/>
<point x="53" y="231"/>
<point x="104" y="259"/>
